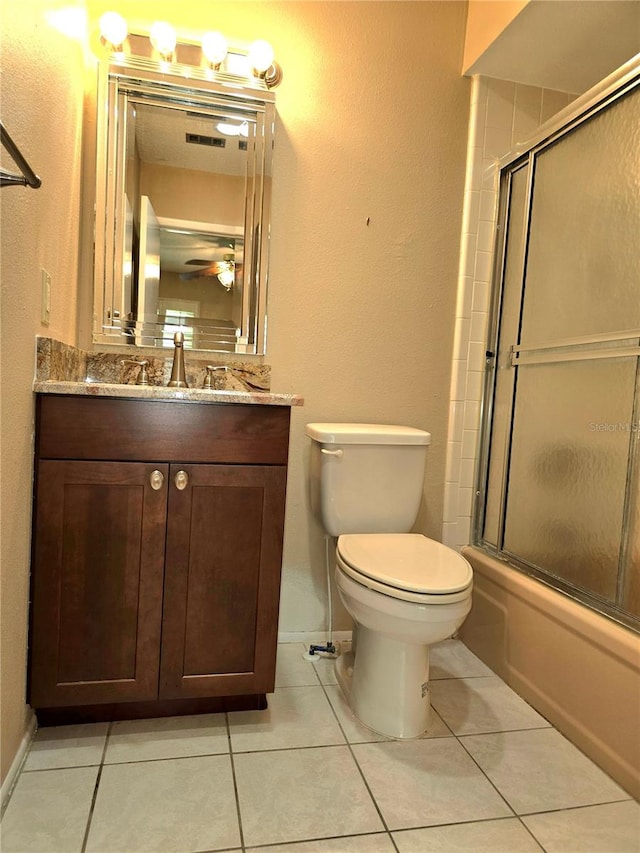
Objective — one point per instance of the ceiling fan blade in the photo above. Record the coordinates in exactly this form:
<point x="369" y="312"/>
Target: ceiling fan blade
<point x="211" y="270"/>
<point x="188" y="276"/>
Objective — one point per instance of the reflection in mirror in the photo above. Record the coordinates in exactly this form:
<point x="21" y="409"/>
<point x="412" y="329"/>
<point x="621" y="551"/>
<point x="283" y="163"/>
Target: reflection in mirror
<point x="200" y="277"/>
<point x="182" y="209"/>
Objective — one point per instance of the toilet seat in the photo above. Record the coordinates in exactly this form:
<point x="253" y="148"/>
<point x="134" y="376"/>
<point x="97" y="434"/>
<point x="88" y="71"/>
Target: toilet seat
<point x="406" y="566"/>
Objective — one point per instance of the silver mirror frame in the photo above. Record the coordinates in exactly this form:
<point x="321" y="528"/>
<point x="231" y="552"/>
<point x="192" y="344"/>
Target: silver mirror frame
<point x="199" y="89"/>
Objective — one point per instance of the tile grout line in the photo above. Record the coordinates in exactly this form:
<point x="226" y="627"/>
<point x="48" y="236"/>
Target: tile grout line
<point x="321" y="838"/>
<point x="235" y="782"/>
<point x="628" y="799"/>
<point x="499" y="793"/>
<point x="452" y="734"/>
<point x="147" y="760"/>
<point x="550" y="728"/>
<point x="506" y="817"/>
<point x="435" y="678"/>
<point x="498" y="731"/>
<point x="362" y="776"/>
<point x="527" y="830"/>
<point x="513" y="814"/>
<point x="95" y="790"/>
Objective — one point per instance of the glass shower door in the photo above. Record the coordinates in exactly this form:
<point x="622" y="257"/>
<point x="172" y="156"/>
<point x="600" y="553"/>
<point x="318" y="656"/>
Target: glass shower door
<point x="561" y="485"/>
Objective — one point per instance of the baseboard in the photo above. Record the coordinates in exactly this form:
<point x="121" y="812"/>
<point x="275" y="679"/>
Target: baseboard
<point x="307" y="637"/>
<point x="14" y="770"/>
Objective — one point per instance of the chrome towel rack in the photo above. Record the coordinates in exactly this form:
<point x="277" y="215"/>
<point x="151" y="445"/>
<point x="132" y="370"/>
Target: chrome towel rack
<point x="28" y="178"/>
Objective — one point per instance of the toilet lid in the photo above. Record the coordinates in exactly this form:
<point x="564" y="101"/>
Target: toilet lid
<point x="406" y="561"/>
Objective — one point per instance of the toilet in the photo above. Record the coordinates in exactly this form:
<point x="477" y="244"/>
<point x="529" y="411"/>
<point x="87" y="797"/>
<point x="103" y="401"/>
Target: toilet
<point x="403" y="590"/>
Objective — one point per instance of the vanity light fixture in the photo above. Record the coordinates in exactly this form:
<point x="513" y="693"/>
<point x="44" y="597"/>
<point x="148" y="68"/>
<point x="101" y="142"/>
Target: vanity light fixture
<point x="163" y="38"/>
<point x="258" y="61"/>
<point x="113" y="31"/>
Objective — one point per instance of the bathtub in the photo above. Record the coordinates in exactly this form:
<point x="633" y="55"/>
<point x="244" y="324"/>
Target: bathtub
<point x="577" y="668"/>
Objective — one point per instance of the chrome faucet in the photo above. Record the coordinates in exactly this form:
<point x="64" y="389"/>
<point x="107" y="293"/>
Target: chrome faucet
<point x="178" y="376"/>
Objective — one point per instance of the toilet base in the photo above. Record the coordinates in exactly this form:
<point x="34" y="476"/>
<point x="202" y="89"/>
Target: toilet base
<point x="386" y="683"/>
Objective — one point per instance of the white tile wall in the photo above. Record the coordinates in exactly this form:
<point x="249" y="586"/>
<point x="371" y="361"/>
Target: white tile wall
<point x="503" y="114"/>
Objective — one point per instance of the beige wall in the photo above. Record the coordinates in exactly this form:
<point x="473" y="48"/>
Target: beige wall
<point x="371" y="125"/>
<point x="361" y="315"/>
<point x="41" y="95"/>
<point x="192" y="195"/>
<point x="367" y="199"/>
<point x="487" y="19"/>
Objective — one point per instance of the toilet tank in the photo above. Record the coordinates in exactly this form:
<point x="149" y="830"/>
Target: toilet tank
<point x="366" y="478"/>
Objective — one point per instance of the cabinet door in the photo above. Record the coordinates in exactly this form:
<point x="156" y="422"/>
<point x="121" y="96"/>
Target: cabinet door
<point x="222" y="580"/>
<point x="97" y="582"/>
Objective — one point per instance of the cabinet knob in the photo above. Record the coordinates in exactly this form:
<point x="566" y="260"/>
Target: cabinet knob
<point x="157" y="480"/>
<point x="181" y="480"/>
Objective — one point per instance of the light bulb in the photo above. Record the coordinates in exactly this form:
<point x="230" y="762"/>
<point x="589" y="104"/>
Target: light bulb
<point x="227" y="128"/>
<point x="214" y="47"/>
<point x="226" y="278"/>
<point x="113" y="28"/>
<point x="163" y="38"/>
<point x="230" y="129"/>
<point x="261" y="56"/>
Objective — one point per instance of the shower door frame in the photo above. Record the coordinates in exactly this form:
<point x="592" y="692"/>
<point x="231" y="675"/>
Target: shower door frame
<point x="584" y="108"/>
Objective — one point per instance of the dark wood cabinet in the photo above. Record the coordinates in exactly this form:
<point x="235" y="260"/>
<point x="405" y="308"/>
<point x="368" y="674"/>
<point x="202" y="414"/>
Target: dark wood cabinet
<point x="155" y="582"/>
<point x="222" y="576"/>
<point x="99" y="555"/>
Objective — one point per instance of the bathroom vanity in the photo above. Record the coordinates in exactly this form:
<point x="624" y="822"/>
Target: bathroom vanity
<point x="157" y="550"/>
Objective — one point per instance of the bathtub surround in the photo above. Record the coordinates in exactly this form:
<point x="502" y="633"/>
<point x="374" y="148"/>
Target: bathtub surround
<point x="503" y="115"/>
<point x="553" y="493"/>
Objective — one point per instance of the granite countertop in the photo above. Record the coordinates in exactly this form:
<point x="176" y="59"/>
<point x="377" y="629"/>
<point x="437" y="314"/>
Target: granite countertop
<point x="160" y="392"/>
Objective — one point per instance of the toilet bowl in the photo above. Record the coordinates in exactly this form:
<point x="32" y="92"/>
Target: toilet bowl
<point x="404" y="592"/>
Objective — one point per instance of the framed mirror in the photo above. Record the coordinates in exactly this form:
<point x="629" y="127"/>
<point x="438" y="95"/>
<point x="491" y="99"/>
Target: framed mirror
<point x="182" y="206"/>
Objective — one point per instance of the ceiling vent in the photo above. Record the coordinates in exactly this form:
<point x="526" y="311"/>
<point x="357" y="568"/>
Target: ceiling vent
<point x="211" y="141"/>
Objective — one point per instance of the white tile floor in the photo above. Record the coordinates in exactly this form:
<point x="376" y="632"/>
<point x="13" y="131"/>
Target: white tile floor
<point x="305" y="777"/>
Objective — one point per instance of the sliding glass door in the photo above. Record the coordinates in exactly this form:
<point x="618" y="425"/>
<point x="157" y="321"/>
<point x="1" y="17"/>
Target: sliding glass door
<point x="558" y="486"/>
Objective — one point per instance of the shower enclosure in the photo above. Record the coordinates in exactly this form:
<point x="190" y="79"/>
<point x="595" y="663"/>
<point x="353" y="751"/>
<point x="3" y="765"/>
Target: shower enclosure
<point x="558" y="492"/>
